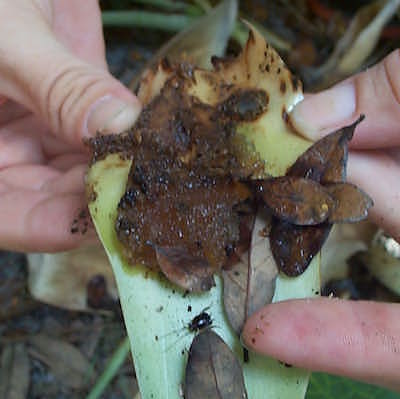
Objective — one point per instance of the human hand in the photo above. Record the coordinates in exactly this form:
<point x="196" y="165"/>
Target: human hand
<point x="360" y="340"/>
<point x="55" y="90"/>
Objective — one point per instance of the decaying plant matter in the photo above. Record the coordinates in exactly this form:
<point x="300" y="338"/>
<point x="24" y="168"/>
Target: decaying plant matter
<point x="213" y="180"/>
<point x="194" y="177"/>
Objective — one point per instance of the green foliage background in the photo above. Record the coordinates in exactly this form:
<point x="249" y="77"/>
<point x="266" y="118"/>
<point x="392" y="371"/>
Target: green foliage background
<point x="325" y="386"/>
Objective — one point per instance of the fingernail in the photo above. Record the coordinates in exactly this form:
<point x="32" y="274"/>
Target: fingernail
<point x="327" y="110"/>
<point x="110" y="115"/>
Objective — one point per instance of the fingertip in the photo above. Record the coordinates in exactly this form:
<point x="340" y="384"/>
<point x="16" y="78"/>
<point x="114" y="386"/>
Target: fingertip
<point x="110" y="114"/>
<point x="322" y="113"/>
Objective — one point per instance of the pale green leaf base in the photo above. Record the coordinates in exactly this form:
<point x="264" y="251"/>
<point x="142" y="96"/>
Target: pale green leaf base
<point x="156" y="313"/>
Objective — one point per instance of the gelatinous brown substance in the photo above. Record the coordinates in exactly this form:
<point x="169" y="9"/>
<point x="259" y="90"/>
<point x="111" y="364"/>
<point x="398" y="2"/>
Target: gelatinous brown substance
<point x="188" y="177"/>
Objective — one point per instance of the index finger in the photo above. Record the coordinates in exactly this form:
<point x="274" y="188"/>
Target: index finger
<point x="360" y="340"/>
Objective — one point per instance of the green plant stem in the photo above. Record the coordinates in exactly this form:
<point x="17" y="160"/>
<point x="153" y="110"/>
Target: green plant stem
<point x="111" y="369"/>
<point x="146" y="19"/>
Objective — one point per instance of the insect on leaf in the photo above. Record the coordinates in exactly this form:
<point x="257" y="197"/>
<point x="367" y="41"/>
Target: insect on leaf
<point x="213" y="372"/>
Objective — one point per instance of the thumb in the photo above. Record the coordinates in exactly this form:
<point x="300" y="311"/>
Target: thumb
<point x="374" y="93"/>
<point x="73" y="97"/>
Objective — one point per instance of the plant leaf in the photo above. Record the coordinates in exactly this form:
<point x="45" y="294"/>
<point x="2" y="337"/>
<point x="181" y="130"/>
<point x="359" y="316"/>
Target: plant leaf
<point x="297" y="200"/>
<point x="325" y="386"/>
<point x="250" y="284"/>
<point x="294" y="246"/>
<point x="152" y="307"/>
<point x="189" y="272"/>
<point x="213" y="371"/>
<point x="205" y="38"/>
<point x="326" y="160"/>
<point x="352" y="203"/>
<point x="62" y="279"/>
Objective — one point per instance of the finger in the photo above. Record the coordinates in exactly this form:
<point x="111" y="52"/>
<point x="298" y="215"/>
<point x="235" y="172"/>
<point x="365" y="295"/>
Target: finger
<point x="19" y="143"/>
<point x="36" y="221"/>
<point x="374" y="93"/>
<point x="67" y="161"/>
<point x="360" y="340"/>
<point x="85" y="40"/>
<point x="379" y="175"/>
<point x="74" y="98"/>
<point x="27" y="177"/>
<point x="72" y="181"/>
<point x="10" y="111"/>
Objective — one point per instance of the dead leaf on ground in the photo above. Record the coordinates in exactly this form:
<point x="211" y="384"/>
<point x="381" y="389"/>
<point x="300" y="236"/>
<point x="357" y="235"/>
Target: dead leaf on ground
<point x="64" y="360"/>
<point x="213" y="372"/>
<point x="61" y="279"/>
<point x="190" y="272"/>
<point x="14" y="372"/>
<point x="250" y="283"/>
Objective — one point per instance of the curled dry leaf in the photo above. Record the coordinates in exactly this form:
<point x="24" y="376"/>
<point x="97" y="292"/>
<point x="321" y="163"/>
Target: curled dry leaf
<point x="352" y="204"/>
<point x="192" y="273"/>
<point x="250" y="283"/>
<point x="297" y="200"/>
<point x="325" y="162"/>
<point x="213" y="372"/>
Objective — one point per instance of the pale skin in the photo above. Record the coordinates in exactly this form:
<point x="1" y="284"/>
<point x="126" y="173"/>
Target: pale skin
<point x="56" y="90"/>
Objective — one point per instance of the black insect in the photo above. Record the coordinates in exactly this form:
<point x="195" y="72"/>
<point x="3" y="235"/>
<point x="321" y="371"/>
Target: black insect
<point x="200" y="322"/>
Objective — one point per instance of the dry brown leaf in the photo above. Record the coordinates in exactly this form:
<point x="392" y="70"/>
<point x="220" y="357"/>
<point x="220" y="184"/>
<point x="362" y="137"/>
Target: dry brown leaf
<point x="297" y="200"/>
<point x="250" y="283"/>
<point x="61" y="279"/>
<point x="14" y="372"/>
<point x="352" y="204"/>
<point x="324" y="162"/>
<point x="190" y="272"/>
<point x="213" y="372"/>
<point x="64" y="360"/>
